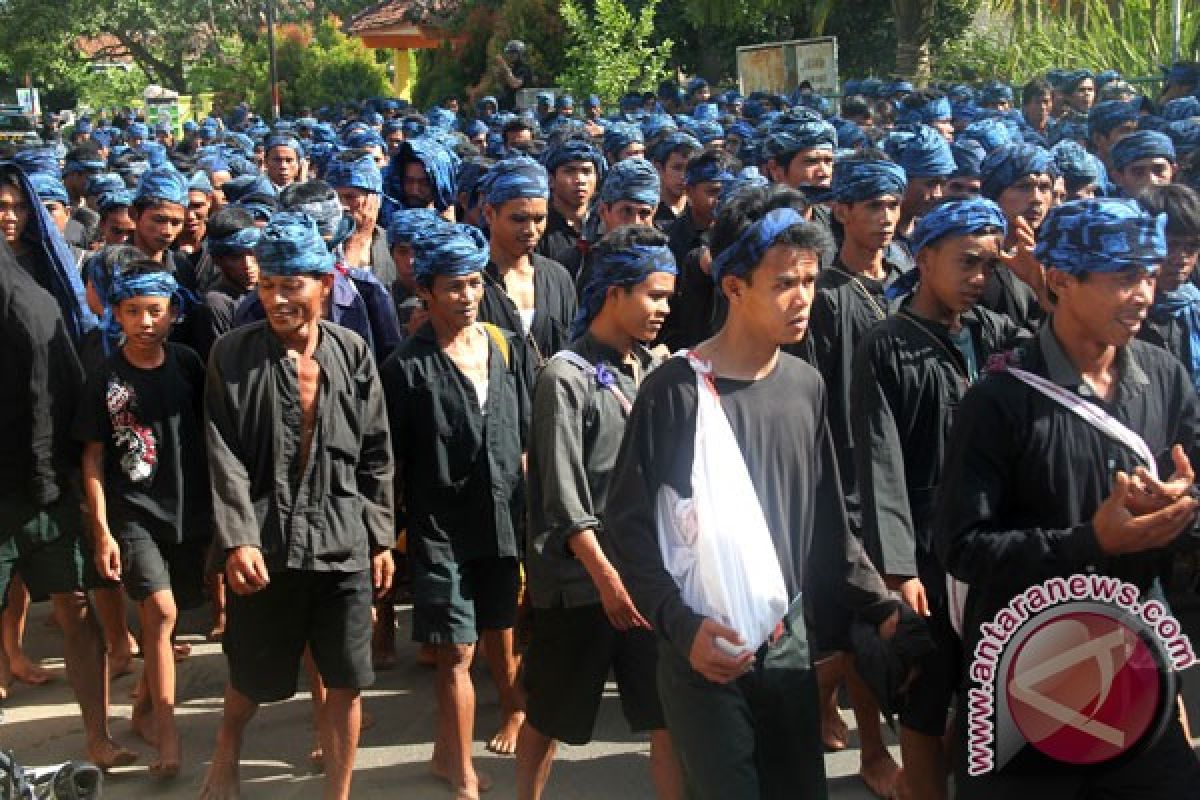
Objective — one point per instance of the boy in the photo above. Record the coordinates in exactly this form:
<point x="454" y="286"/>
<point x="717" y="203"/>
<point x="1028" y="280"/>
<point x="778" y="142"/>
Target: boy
<point x="1174" y="319"/>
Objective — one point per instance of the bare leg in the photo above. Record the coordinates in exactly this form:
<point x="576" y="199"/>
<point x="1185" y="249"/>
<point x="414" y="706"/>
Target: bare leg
<point x="878" y="769"/>
<point x="158" y="617"/>
<point x="831" y="672"/>
<point x="504" y="665"/>
<point x="339" y="738"/>
<point x="118" y="641"/>
<point x="216" y="592"/>
<point x="665" y="771"/>
<point x="925" y="765"/>
<point x="535" y="756"/>
<point x="12" y="625"/>
<point x="456" y="722"/>
<point x="317" y="685"/>
<point x="87" y="672"/>
<point x="221" y="781"/>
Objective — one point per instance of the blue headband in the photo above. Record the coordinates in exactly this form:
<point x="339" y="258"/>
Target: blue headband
<point x="38" y="159"/>
<point x="407" y="224"/>
<point x="1139" y="145"/>
<point x="628" y="266"/>
<point x="1078" y="167"/>
<point x="859" y="179"/>
<point x="620" y="135"/>
<point x="633" y="179"/>
<point x="990" y="132"/>
<point x="284" y="140"/>
<point x="291" y="244"/>
<point x="448" y="249"/>
<point x="749" y="248"/>
<point x="365" y="139"/>
<point x="958" y="218"/>
<point x="995" y="93"/>
<point x="1185" y="136"/>
<point x="1006" y="165"/>
<point x="442" y="118"/>
<point x="705" y="170"/>
<point x="138" y="130"/>
<point x="968" y="157"/>
<point x="49" y="188"/>
<point x="746" y="178"/>
<point x="1182" y="108"/>
<point x="1069" y="79"/>
<point x="707" y="131"/>
<point x="661" y="150"/>
<point x="936" y="110"/>
<point x="154" y="153"/>
<point x="114" y="199"/>
<point x="89" y="165"/>
<point x="922" y="152"/>
<point x="440" y="167"/>
<point x="572" y="149"/>
<point x="360" y="173"/>
<point x="1106" y="116"/>
<point x="1182" y="72"/>
<point x="164" y="183"/>
<point x="476" y="128"/>
<point x="814" y="135"/>
<point x="104" y="182"/>
<point x="149" y="284"/>
<point x="244" y="240"/>
<point x="1103" y="235"/>
<point x="199" y="182"/>
<point x="514" y="178"/>
<point x="655" y="124"/>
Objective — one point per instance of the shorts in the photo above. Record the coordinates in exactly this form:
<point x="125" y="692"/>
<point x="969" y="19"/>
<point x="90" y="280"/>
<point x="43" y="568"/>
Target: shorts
<point x="568" y="661"/>
<point x="42" y="546"/>
<point x="925" y="707"/>
<point x="453" y="602"/>
<point x="149" y="566"/>
<point x="266" y="632"/>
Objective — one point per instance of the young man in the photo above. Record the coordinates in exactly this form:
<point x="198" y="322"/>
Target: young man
<point x="232" y="237"/>
<point x="1174" y="319"/>
<point x="628" y="196"/>
<point x="525" y="293"/>
<point x="406" y="226"/>
<point x="623" y="140"/>
<point x="458" y="399"/>
<point x="301" y="467"/>
<point x="116" y="226"/>
<point x="801" y="156"/>
<point x="1108" y="123"/>
<point x="575" y="168"/>
<point x="1032" y="490"/>
<point x="1141" y="160"/>
<point x="744" y="722"/>
<point x="421" y="175"/>
<point x="190" y="242"/>
<point x="1036" y="101"/>
<point x="284" y="161"/>
<point x="928" y="163"/>
<point x="158" y="212"/>
<point x="584" y="622"/>
<point x="909" y="374"/>
<point x="359" y="186"/>
<point x="146" y="486"/>
<point x="670" y="156"/>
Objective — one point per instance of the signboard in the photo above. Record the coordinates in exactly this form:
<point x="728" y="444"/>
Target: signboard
<point x="527" y="98"/>
<point x="780" y="67"/>
<point x="29" y="101"/>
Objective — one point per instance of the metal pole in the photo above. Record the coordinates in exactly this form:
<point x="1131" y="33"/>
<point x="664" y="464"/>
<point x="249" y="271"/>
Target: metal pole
<point x="271" y="56"/>
<point x="1176" y="22"/>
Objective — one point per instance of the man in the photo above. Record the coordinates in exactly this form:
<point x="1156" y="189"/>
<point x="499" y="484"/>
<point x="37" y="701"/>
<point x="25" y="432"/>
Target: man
<point x="1141" y="160"/>
<point x="190" y="243"/>
<point x="232" y="237"/>
<point x="1077" y="89"/>
<point x="628" y="196"/>
<point x="301" y="466"/>
<point x="964" y="184"/>
<point x="116" y="226"/>
<point x="1081" y="172"/>
<point x="1037" y="99"/>
<point x="1031" y="490"/>
<point x="584" y="622"/>
<point x="1174" y="319"/>
<point x="421" y="175"/>
<point x="158" y="212"/>
<point x="1107" y="123"/>
<point x="525" y="293"/>
<point x="284" y="161"/>
<point x="458" y="399"/>
<point x="670" y="156"/>
<point x="512" y="74"/>
<point x="623" y="140"/>
<point x="801" y="156"/>
<point x="406" y="227"/>
<point x="928" y="162"/>
<point x="518" y="135"/>
<point x="909" y="374"/>
<point x="82" y="162"/>
<point x="575" y="167"/>
<point x="743" y="717"/>
<point x="359" y="187"/>
<point x="1182" y="79"/>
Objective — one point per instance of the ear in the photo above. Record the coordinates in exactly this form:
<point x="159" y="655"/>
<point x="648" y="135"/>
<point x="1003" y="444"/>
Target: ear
<point x="489" y="214"/>
<point x="1057" y="281"/>
<point x="732" y="287"/>
<point x="840" y="212"/>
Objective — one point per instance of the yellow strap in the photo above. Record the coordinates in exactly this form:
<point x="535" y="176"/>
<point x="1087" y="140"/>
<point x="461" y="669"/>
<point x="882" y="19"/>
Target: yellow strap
<point x="498" y="337"/>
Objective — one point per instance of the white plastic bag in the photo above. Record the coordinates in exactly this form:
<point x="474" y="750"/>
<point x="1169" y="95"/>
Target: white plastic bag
<point x="716" y="544"/>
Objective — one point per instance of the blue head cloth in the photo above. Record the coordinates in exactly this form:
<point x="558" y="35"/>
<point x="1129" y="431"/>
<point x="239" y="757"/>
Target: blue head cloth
<point x="1070" y="79"/>
<point x="898" y="87"/>
<point x="154" y="153"/>
<point x="675" y="140"/>
<point x="440" y="167"/>
<point x="849" y="135"/>
<point x="285" y="140"/>
<point x="1183" y="73"/>
<point x="102" y="138"/>
<point x="968" y="157"/>
<point x="995" y="93"/>
<point x="1102" y="235"/>
<point x="1139" y="145"/>
<point x="49" y="188"/>
<point x="695" y="84"/>
<point x="243" y="240"/>
<point x="240" y="167"/>
<point x="199" y="182"/>
<point x="412" y="127"/>
<point x="859" y="179"/>
<point x="626" y="267"/>
<point x="1182" y="108"/>
<point x="965" y="112"/>
<point x="248" y="185"/>
<point x="620" y="135"/>
<point x="83" y="125"/>
<point x="1072" y="129"/>
<point x="960" y="93"/>
<point x="409" y="224"/>
<point x="38" y="159"/>
<point x="483" y="102"/>
<point x="746" y="178"/>
<point x="365" y="139"/>
<point x="749" y="248"/>
<point x="708" y="131"/>
<point x="104" y="182"/>
<point x="138" y="130"/>
<point x="148" y="284"/>
<point x="165" y="183"/>
<point x="935" y="110"/>
<point x="1106" y="76"/>
<point x="514" y="178"/>
<point x="1078" y="167"/>
<point x="291" y="244"/>
<point x="1185" y="135"/>
<point x="442" y="118"/>
<point x="564" y="101"/>
<point x="741" y="129"/>
<point x="781" y="144"/>
<point x="1104" y="117"/>
<point x="373" y="118"/>
<point x="591" y="101"/>
<point x="393" y="126"/>
<point x="922" y="151"/>
<point x="655" y="124"/>
<point x="1006" y="165"/>
<point x="323" y="133"/>
<point x="113" y="199"/>
<point x="448" y="249"/>
<point x="953" y="218"/>
<point x="990" y="132"/>
<point x="360" y="173"/>
<point x="475" y="128"/>
<point x="633" y="179"/>
<point x="71" y="165"/>
<point x="816" y="102"/>
<point x="545" y="99"/>
<point x="706" y="112"/>
<point x="704" y="171"/>
<point x="871" y="87"/>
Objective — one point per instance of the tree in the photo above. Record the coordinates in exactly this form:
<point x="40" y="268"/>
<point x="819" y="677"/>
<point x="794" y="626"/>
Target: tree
<point x="610" y="51"/>
<point x="914" y="26"/>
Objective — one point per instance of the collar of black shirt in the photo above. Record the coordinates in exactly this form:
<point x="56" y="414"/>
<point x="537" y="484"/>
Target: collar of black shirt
<point x="1060" y="369"/>
<point x="595" y="351"/>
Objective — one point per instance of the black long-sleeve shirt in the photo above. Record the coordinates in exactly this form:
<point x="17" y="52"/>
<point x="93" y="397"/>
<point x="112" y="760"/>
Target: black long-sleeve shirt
<point x="460" y="466"/>
<point x="554" y="306"/>
<point x="907" y="381"/>
<point x="779" y="422"/>
<point x="560" y="240"/>
<point x="330" y="517"/>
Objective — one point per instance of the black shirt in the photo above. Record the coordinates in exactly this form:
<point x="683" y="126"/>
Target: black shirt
<point x="554" y="306"/>
<point x="1007" y="294"/>
<point x="149" y="421"/>
<point x="690" y="320"/>
<point x="214" y="317"/>
<point x="560" y="240"/>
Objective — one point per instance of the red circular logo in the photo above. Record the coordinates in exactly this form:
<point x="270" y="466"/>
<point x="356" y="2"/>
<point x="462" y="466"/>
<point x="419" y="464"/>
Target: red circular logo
<point x="1084" y="688"/>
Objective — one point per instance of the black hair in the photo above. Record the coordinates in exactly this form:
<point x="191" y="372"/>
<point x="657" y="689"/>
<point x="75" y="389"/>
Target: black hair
<point x="919" y="99"/>
<point x="228" y="221"/>
<point x="750" y="205"/>
<point x="301" y="194"/>
<point x="1035" y="90"/>
<point x="717" y="158"/>
<point x="514" y="125"/>
<point x="1180" y="203"/>
<point x="628" y="236"/>
<point x="150" y="203"/>
<point x="87" y="151"/>
<point x="684" y="147"/>
<point x="183" y="162"/>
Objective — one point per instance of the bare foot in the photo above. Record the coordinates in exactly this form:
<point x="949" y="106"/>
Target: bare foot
<point x="505" y="740"/>
<point x="833" y="728"/>
<point x="218" y="629"/>
<point x="170" y="753"/>
<point x="483" y="782"/>
<point x="181" y="650"/>
<point x="107" y="754"/>
<point x="142" y="722"/>
<point x="26" y="671"/>
<point x="221" y="780"/>
<point x="316" y="757"/>
<point x="880" y="775"/>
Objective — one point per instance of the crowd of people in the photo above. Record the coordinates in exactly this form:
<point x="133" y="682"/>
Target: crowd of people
<point x="530" y="371"/>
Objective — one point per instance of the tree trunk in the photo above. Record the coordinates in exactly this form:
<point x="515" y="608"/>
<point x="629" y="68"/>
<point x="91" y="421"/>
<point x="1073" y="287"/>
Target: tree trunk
<point x="914" y="20"/>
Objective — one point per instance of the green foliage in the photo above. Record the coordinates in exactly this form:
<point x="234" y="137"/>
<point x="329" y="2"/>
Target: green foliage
<point x="452" y="69"/>
<point x="113" y="88"/>
<point x="610" y="51"/>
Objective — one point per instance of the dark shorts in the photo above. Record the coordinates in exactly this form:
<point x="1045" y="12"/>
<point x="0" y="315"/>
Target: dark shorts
<point x="453" y="602"/>
<point x="42" y="545"/>
<point x="926" y="705"/>
<point x="149" y="566"/>
<point x="266" y="633"/>
<point x="568" y="661"/>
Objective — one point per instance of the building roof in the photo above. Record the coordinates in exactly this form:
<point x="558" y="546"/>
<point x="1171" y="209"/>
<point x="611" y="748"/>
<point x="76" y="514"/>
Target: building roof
<point x="392" y="13"/>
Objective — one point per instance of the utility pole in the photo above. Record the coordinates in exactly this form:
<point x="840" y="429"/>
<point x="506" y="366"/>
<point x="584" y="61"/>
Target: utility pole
<point x="271" y="55"/>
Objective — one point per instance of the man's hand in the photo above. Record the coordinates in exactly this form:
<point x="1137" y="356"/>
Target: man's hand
<point x="1148" y="494"/>
<point x="912" y="592"/>
<point x="383" y="569"/>
<point x="618" y="606"/>
<point x="1118" y="531"/>
<point x="887" y="628"/>
<point x="245" y="570"/>
<point x="710" y="660"/>
<point x="108" y="557"/>
<point x="1022" y="262"/>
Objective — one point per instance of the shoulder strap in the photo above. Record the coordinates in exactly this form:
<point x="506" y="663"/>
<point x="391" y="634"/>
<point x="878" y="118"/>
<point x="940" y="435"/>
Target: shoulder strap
<point x="500" y="339"/>
<point x="590" y="370"/>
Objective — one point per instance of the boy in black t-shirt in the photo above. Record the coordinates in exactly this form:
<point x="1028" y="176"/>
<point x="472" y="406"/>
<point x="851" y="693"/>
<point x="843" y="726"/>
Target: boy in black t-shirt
<point x="146" y="484"/>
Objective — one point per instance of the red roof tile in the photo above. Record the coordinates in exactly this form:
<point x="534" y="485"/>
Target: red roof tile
<point x="387" y="13"/>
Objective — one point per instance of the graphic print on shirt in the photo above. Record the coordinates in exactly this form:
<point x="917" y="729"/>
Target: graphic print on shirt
<point x="135" y="442"/>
